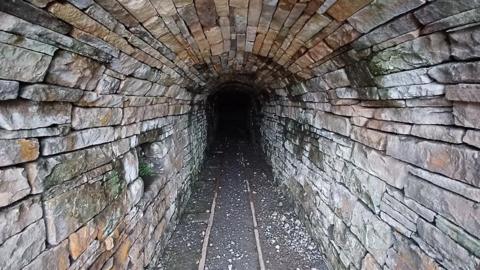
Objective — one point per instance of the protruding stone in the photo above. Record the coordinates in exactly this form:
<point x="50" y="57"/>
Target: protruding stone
<point x="18" y="151"/>
<point x="463" y="92"/>
<point x="390" y="170"/>
<point x="453" y="255"/>
<point x="439" y="133"/>
<point x="45" y="92"/>
<point x="95" y="117"/>
<point x="420" y="52"/>
<point x="379" y="12"/>
<point x="77" y="140"/>
<point x="15" y="218"/>
<point x="456" y="73"/>
<point x="72" y="70"/>
<point x="63" y="213"/>
<point x="136" y="87"/>
<point x="13" y="186"/>
<point x="29" y="115"/>
<point x="53" y="258"/>
<point x="22" y="248"/>
<point x="450" y="160"/>
<point x="373" y="233"/>
<point x="79" y="241"/>
<point x="8" y="89"/>
<point x="22" y="65"/>
<point x="466" y="114"/>
<point x="130" y="166"/>
<point x="461" y="211"/>
<point x="430" y="116"/>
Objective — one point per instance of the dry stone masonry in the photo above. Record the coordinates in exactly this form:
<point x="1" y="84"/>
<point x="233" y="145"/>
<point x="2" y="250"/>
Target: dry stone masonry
<point x="370" y="118"/>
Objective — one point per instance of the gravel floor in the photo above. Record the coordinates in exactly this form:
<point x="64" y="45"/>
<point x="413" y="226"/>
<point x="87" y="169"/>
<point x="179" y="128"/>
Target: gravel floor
<point x="284" y="240"/>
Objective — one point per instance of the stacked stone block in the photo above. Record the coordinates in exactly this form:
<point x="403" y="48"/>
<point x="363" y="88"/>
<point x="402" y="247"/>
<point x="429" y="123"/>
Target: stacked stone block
<point x="379" y="151"/>
<point x="77" y="107"/>
<point x="370" y="121"/>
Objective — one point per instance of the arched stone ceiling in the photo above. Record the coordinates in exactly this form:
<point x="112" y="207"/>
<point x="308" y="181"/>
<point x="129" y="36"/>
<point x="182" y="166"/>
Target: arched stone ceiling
<point x="278" y="41"/>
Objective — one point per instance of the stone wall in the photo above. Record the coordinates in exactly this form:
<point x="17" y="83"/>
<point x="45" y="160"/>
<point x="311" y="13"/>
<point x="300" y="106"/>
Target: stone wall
<point x="97" y="148"/>
<point x="381" y="150"/>
<point x="370" y="121"/>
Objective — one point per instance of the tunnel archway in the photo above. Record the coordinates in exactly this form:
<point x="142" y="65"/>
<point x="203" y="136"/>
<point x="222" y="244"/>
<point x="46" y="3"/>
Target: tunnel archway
<point x="366" y="110"/>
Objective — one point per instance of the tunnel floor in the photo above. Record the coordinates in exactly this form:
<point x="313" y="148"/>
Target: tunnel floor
<point x="283" y="239"/>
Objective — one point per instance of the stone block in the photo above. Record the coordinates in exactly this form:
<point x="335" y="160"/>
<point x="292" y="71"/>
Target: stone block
<point x="46" y="92"/>
<point x="443" y="8"/>
<point x="30" y="115"/>
<point x="130" y="166"/>
<point x="406" y="255"/>
<point x="92" y="99"/>
<point x="466" y="114"/>
<point x="369" y="263"/>
<point x="439" y="133"/>
<point x="22" y="65"/>
<point x="428" y="116"/>
<point x="135" y="192"/>
<point x="456" y="73"/>
<point x="456" y="208"/>
<point x="381" y="11"/>
<point x="314" y="25"/>
<point x="73" y="70"/>
<point x="388" y="126"/>
<point x="343" y="9"/>
<point x="13" y="185"/>
<point x="64" y="214"/>
<point x="336" y="79"/>
<point x="95" y="117"/>
<point x="372" y="232"/>
<point x="52" y="171"/>
<point x="400" y="213"/>
<point x="367" y="187"/>
<point x="388" y="169"/>
<point x="15" y="218"/>
<point x="472" y="137"/>
<point x="409" y="77"/>
<point x="465" y="43"/>
<point x="79" y="241"/>
<point x="454" y="161"/>
<point x="342" y="202"/>
<point x="124" y="64"/>
<point x="133" y="86"/>
<point x="108" y="85"/>
<point x="333" y="123"/>
<point x="8" y="89"/>
<point x="77" y="140"/>
<point x="369" y="137"/>
<point x="18" y="151"/>
<point x="452" y="255"/>
<point x="411" y="91"/>
<point x="350" y="247"/>
<point x="392" y="29"/>
<point x="53" y="258"/>
<point x="463" y="92"/>
<point x="344" y="35"/>
<point x="467" y="241"/>
<point x="22" y="248"/>
<point x="421" y="52"/>
<point x="15" y="25"/>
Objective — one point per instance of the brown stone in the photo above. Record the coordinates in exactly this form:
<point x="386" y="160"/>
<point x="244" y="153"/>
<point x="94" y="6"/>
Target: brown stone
<point x="343" y="9"/>
<point x="79" y="241"/>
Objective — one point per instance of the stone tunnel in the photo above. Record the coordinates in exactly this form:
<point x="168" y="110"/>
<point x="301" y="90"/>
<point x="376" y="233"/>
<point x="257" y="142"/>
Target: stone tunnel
<point x="365" y="112"/>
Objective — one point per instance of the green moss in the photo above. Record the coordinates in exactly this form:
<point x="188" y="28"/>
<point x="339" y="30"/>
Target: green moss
<point x="114" y="185"/>
<point x="145" y="170"/>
